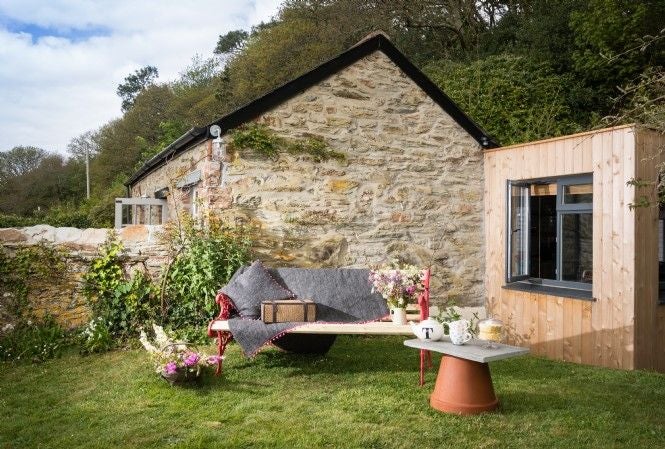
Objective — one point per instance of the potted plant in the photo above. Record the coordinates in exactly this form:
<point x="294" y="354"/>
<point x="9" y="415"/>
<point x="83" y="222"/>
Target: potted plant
<point x="399" y="284"/>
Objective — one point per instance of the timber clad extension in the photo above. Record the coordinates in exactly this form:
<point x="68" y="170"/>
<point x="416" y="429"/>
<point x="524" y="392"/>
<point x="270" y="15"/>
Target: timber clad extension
<point x="621" y="324"/>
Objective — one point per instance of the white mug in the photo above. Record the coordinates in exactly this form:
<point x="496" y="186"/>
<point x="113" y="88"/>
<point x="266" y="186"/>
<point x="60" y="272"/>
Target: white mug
<point x="459" y="332"/>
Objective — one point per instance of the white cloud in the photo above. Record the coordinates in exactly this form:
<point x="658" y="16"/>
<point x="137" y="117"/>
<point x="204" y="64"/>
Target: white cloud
<point x="55" y="88"/>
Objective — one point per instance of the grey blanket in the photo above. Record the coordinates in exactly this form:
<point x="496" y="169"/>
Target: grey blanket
<point x="342" y="295"/>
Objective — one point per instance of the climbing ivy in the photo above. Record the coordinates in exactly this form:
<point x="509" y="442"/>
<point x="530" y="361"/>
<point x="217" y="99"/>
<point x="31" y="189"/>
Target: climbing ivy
<point x="24" y="336"/>
<point x="264" y="141"/>
<point x="30" y="268"/>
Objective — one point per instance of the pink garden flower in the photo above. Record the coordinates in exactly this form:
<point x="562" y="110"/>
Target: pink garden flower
<point x="214" y="359"/>
<point x="170" y="368"/>
<point x="192" y="359"/>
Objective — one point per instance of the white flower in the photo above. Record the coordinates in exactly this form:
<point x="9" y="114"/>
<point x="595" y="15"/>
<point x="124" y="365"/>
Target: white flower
<point x="143" y="338"/>
<point x="7" y="327"/>
<point x="160" y="336"/>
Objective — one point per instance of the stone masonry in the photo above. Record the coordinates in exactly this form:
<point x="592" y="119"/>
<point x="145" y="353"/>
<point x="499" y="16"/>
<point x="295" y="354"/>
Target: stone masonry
<point x="411" y="185"/>
<point x="63" y="299"/>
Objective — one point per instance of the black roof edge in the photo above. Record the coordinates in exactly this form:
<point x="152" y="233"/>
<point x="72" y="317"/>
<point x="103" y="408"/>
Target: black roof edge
<point x="170" y="150"/>
<point x="256" y="107"/>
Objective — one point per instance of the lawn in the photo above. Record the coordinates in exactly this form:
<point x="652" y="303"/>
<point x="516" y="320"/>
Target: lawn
<point x="363" y="394"/>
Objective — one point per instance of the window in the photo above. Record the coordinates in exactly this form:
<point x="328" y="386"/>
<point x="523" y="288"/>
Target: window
<point x="140" y="211"/>
<point x="550" y="232"/>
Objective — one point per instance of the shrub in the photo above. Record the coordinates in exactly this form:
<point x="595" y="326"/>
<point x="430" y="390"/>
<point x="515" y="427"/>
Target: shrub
<point x="96" y="337"/>
<point x="204" y="258"/>
<point x="16" y="221"/>
<point x="36" y="342"/>
<point x="515" y="98"/>
<point x="124" y="303"/>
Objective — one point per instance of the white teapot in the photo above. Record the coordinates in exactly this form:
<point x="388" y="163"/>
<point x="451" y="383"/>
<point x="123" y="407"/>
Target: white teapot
<point x="428" y="330"/>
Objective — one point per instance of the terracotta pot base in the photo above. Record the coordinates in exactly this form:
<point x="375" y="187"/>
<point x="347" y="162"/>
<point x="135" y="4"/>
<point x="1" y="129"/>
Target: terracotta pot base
<point x="463" y="387"/>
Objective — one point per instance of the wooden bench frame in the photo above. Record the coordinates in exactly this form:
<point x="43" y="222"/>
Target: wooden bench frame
<point x="219" y="328"/>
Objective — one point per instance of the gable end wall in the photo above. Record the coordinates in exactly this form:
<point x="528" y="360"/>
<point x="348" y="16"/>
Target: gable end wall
<point x="411" y="186"/>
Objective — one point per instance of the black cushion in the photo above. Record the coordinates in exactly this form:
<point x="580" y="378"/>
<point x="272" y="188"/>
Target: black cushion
<point x="254" y="285"/>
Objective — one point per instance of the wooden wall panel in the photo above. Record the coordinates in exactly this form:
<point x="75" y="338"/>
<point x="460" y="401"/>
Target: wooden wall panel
<point x="649" y="314"/>
<point x="599" y="332"/>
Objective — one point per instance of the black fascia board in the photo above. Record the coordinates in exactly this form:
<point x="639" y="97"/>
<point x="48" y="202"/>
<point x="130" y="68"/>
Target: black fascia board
<point x="256" y="107"/>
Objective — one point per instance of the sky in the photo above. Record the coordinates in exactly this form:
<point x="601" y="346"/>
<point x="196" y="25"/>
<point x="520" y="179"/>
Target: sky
<point x="62" y="60"/>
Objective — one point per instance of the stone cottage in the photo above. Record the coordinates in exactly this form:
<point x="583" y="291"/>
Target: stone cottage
<point x="410" y="183"/>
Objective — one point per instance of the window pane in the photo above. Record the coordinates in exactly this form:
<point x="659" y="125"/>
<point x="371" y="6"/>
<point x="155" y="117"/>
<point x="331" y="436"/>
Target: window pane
<point x="155" y="215"/>
<point x="127" y="217"/>
<point x="142" y="214"/>
<point x="577" y="193"/>
<point x="577" y="247"/>
<point x="542" y="237"/>
<point x="519" y="228"/>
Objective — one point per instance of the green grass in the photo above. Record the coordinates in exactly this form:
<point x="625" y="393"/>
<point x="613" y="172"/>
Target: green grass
<point x="363" y="394"/>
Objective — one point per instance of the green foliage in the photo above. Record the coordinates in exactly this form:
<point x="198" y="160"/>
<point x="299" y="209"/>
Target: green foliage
<point x="36" y="342"/>
<point x="265" y="142"/>
<point x="96" y="337"/>
<point x="516" y="99"/>
<point x="25" y="336"/>
<point x="122" y="302"/>
<point x="30" y="269"/>
<point x="205" y="258"/>
<point x="17" y="221"/>
<point x="134" y="83"/>
<point x="606" y="30"/>
<point x="50" y="182"/>
<point x="230" y="42"/>
<point x="67" y="214"/>
<point x="19" y="161"/>
<point x="169" y="131"/>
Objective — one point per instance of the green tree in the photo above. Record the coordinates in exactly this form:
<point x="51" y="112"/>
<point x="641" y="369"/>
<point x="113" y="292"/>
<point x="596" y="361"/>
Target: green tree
<point x="606" y="31"/>
<point x="230" y="42"/>
<point x="18" y="161"/>
<point x="515" y="98"/>
<point x="134" y="84"/>
<point x="86" y="143"/>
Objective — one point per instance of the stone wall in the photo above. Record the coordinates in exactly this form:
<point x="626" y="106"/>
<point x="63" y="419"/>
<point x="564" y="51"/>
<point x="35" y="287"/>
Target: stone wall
<point x="411" y="186"/>
<point x="63" y="298"/>
<point x="167" y="176"/>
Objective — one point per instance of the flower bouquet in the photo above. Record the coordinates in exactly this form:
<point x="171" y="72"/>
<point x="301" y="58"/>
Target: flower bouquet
<point x="179" y="363"/>
<point x="399" y="284"/>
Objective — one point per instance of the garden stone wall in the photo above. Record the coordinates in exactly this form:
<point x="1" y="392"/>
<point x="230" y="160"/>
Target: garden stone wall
<point x="63" y="297"/>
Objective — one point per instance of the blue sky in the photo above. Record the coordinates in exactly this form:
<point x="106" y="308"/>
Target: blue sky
<point x="61" y="60"/>
<point x="37" y="31"/>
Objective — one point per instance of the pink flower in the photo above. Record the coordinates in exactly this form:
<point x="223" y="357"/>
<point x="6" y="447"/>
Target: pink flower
<point x="214" y="359"/>
<point x="192" y="359"/>
<point x="170" y="368"/>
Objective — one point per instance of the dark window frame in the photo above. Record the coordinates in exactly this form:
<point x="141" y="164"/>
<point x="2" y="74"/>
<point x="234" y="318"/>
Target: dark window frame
<point x="524" y="281"/>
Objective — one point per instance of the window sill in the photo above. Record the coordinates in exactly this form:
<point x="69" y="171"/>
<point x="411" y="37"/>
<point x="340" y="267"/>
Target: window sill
<point x="550" y="290"/>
